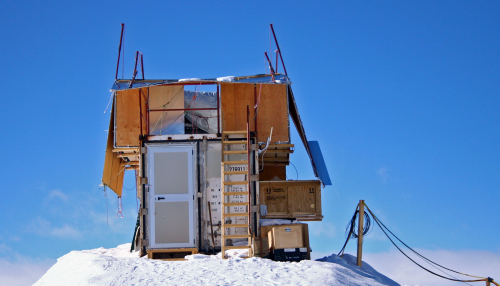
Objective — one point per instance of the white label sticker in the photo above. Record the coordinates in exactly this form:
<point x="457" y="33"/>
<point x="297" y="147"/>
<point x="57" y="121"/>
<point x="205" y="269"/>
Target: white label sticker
<point x="303" y="249"/>
<point x="289" y="249"/>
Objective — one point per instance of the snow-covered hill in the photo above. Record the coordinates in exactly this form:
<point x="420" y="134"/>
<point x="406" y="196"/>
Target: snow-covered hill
<point x="117" y="266"/>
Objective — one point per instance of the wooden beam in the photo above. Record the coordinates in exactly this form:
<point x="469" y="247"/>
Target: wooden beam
<point x="281" y="145"/>
<point x="130" y="150"/>
<point x="276" y="159"/>
<point x="360" y="232"/>
<point x="279" y="151"/>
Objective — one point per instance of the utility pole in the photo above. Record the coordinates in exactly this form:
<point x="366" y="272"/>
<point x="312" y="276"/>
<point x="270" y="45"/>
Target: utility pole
<point x="360" y="231"/>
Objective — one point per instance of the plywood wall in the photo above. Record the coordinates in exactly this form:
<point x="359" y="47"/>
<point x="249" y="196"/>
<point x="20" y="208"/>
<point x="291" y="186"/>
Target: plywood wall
<point x="113" y="172"/>
<point x="272" y="110"/>
<point x="270" y="172"/>
<point x="235" y="97"/>
<point x="128" y="121"/>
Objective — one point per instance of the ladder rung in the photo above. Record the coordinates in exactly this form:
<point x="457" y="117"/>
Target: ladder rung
<point x="234" y="142"/>
<point x="235" y="132"/>
<point x="238" y="247"/>
<point x="235" y="183"/>
<point x="226" y="173"/>
<point x="235" y="152"/>
<point x="235" y="162"/>
<point x="237" y="236"/>
<point x="235" y="204"/>
<point x="235" y="225"/>
<point x="235" y="214"/>
<point x="235" y="193"/>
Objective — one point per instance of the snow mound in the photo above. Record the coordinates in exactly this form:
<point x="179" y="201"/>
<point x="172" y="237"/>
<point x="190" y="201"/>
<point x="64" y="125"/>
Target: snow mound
<point x="117" y="266"/>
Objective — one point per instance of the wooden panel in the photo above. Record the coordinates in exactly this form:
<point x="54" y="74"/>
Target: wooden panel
<point x="113" y="172"/>
<point x="292" y="199"/>
<point x="270" y="172"/>
<point x="304" y="199"/>
<point x="273" y="112"/>
<point x="127" y="120"/>
<point x="286" y="236"/>
<point x="144" y="96"/>
<point x="275" y="196"/>
<point x="235" y="98"/>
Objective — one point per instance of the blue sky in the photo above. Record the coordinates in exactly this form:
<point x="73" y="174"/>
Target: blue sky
<point x="402" y="96"/>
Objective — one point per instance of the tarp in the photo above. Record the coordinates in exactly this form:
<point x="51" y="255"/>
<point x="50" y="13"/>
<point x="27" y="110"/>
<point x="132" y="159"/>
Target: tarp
<point x="122" y="84"/>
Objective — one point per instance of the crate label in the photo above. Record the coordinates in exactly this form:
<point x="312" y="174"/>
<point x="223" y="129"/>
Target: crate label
<point x="288" y="229"/>
<point x="289" y="249"/>
<point x="303" y="249"/>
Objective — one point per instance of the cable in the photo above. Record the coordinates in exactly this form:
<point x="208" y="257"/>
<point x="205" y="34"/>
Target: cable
<point x="421" y="256"/>
<point x="295" y="170"/>
<point x="352" y="225"/>
<point x="379" y="224"/>
<point x="351" y="228"/>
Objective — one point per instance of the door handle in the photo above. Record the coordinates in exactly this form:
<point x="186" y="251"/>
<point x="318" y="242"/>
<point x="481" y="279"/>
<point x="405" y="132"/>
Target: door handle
<point x="161" y="198"/>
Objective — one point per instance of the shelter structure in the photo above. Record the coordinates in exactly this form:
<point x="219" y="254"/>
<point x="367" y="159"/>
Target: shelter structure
<point x="210" y="159"/>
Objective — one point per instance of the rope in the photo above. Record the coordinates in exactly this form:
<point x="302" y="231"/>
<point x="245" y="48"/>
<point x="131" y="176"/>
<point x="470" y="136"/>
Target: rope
<point x="120" y="207"/>
<point x="458" y="280"/>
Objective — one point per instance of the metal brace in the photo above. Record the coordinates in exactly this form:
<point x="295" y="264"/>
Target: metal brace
<point x="143" y="150"/>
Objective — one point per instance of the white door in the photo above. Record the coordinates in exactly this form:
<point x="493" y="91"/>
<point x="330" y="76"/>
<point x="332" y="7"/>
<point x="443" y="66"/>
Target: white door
<point x="171" y="196"/>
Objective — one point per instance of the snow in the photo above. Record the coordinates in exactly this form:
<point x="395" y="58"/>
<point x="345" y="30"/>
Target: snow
<point x="117" y="266"/>
<point x="266" y="222"/>
<point x="226" y="78"/>
<point x="189" y="79"/>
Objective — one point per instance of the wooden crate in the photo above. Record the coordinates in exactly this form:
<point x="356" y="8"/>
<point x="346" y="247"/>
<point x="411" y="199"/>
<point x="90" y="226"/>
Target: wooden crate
<point x="171" y="254"/>
<point x="279" y="237"/>
<point x="292" y="199"/>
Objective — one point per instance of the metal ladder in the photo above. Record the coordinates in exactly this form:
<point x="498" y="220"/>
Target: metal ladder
<point x="232" y="138"/>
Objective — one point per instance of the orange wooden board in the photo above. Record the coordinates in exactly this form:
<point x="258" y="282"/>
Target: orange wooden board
<point x="292" y="199"/>
<point x="270" y="171"/>
<point x="112" y="175"/>
<point x="235" y="97"/>
<point x="128" y="116"/>
<point x="273" y="112"/>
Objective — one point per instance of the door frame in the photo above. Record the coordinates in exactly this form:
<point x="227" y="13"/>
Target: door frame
<point x="189" y="148"/>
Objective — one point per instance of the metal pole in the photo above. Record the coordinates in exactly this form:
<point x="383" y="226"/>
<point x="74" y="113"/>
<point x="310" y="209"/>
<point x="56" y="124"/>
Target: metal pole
<point x="135" y="69"/>
<point x="142" y="66"/>
<point x="360" y="232"/>
<point x="119" y="52"/>
<point x="279" y="51"/>
<point x="270" y="64"/>
<point x="218" y="110"/>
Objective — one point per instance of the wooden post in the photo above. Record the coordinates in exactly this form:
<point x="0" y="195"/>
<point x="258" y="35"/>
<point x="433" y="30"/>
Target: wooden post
<point x="488" y="282"/>
<point x="360" y="232"/>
